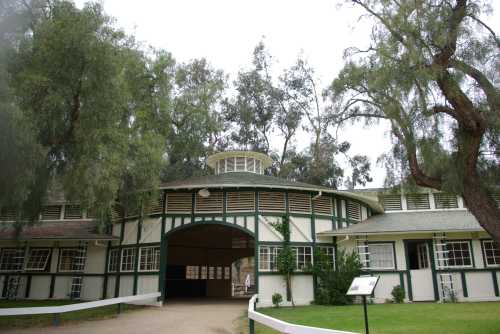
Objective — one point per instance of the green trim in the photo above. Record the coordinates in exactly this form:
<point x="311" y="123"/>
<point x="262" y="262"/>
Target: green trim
<point x="28" y="287"/>
<point x="408" y="273"/>
<point x="106" y="264"/>
<point x="257" y="243"/>
<point x="210" y="222"/>
<point x="224" y="207"/>
<point x="495" y="283"/>
<point x="464" y="284"/>
<point x="163" y="251"/>
<point x="117" y="280"/>
<point x="433" y="269"/>
<point x="138" y="240"/>
<point x="402" y="281"/>
<point x="275" y="273"/>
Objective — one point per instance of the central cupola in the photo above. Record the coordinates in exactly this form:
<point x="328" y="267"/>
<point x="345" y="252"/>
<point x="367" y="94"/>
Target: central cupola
<point x="239" y="161"/>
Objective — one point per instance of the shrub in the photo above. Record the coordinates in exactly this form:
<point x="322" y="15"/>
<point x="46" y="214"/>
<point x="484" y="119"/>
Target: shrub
<point x="277" y="299"/>
<point x="333" y="283"/>
<point x="398" y="294"/>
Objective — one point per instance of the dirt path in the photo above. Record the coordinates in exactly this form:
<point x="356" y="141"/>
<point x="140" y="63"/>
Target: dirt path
<point x="179" y="317"/>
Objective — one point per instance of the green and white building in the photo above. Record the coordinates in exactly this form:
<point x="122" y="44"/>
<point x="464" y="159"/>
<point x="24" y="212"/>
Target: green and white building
<point x="186" y="243"/>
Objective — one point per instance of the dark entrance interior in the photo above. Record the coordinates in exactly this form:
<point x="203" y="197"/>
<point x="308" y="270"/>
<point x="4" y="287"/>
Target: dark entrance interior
<point x="200" y="258"/>
<point x="418" y="254"/>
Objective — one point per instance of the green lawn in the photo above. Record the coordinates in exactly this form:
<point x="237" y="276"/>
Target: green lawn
<point x="459" y="318"/>
<point x="46" y="319"/>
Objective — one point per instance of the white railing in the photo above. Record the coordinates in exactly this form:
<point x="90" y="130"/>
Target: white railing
<point x="283" y="326"/>
<point x="56" y="310"/>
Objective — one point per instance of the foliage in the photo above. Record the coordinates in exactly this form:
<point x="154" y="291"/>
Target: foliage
<point x="286" y="263"/>
<point x="333" y="283"/>
<point x="398" y="294"/>
<point x="277" y="299"/>
<point x="431" y="72"/>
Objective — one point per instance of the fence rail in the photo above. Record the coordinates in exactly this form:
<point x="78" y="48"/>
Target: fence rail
<point x="283" y="326"/>
<point x="57" y="310"/>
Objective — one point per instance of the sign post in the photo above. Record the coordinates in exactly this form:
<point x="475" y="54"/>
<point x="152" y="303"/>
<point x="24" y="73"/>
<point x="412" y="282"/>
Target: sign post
<point x="363" y="286"/>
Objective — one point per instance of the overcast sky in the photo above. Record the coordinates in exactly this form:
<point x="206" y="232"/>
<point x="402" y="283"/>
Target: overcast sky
<point x="225" y="32"/>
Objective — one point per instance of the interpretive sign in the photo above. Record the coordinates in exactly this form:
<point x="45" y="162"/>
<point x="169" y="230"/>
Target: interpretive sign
<point x="362" y="286"/>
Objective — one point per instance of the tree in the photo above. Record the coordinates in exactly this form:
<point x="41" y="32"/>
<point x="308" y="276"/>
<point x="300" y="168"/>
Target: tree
<point x="79" y="86"/>
<point x="286" y="263"/>
<point x="431" y="71"/>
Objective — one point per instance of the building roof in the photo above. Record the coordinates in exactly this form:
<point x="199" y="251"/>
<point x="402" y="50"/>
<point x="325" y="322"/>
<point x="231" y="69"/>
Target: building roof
<point x="60" y="230"/>
<point x="252" y="180"/>
<point x="412" y="222"/>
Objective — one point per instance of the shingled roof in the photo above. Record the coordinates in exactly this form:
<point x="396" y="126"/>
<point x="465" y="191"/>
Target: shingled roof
<point x="253" y="180"/>
<point x="412" y="222"/>
<point x="60" y="230"/>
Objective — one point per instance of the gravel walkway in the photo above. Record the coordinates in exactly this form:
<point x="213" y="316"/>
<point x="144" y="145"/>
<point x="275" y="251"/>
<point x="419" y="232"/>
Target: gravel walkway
<point x="179" y="317"/>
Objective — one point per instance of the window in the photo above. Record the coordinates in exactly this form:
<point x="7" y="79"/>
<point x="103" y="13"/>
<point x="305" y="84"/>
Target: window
<point x="323" y="205"/>
<point x="329" y="253"/>
<point x="203" y="272"/>
<point x="299" y="202"/>
<point x="491" y="253"/>
<point x="258" y="168"/>
<point x="219" y="272"/>
<point x="211" y="273"/>
<point x="268" y="258"/>
<point x="250" y="165"/>
<point x="459" y="254"/>
<point x="179" y="202"/>
<point x="227" y="273"/>
<point x="76" y="287"/>
<point x="212" y="203"/>
<point x="238" y="201"/>
<point x="229" y="164"/>
<point x="381" y="256"/>
<point x="12" y="259"/>
<point x="51" y="212"/>
<point x="71" y="259"/>
<point x="128" y="259"/>
<point x="445" y="201"/>
<point x="303" y="256"/>
<point x="271" y="201"/>
<point x="417" y="202"/>
<point x="240" y="164"/>
<point x="353" y="210"/>
<point x="192" y="272"/>
<point x="38" y="259"/>
<point x="73" y="212"/>
<point x="114" y="260"/>
<point x="149" y="259"/>
<point x="392" y="202"/>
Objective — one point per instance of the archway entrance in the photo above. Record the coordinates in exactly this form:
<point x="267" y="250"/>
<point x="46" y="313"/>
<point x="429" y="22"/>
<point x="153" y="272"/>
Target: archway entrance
<point x="200" y="258"/>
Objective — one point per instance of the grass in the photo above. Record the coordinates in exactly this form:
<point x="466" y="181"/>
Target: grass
<point x="43" y="320"/>
<point x="458" y="318"/>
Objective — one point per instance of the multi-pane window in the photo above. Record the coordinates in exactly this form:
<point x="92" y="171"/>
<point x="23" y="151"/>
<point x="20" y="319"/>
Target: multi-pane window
<point x="381" y="256"/>
<point x="227" y="273"/>
<point x="128" y="259"/>
<point x="71" y="259"/>
<point x="73" y="212"/>
<point x="114" y="260"/>
<point x="211" y="273"/>
<point x="192" y="272"/>
<point x="329" y="255"/>
<point x="149" y="259"/>
<point x="491" y="253"/>
<point x="51" y="212"/>
<point x="204" y="272"/>
<point x="12" y="259"/>
<point x="219" y="272"/>
<point x="459" y="254"/>
<point x="268" y="258"/>
<point x="303" y="257"/>
<point x="38" y="259"/>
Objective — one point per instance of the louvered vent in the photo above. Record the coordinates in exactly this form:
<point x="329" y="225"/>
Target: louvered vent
<point x="298" y="202"/>
<point x="240" y="164"/>
<point x="8" y="214"/>
<point x="51" y="212"/>
<point x="271" y="201"/>
<point x="323" y="206"/>
<point x="116" y="212"/>
<point x="496" y="197"/>
<point x="132" y="211"/>
<point x="212" y="203"/>
<point x="179" y="202"/>
<point x="238" y="201"/>
<point x="445" y="201"/>
<point x="417" y="201"/>
<point x="392" y="202"/>
<point x="353" y="210"/>
<point x="156" y="206"/>
<point x="73" y="211"/>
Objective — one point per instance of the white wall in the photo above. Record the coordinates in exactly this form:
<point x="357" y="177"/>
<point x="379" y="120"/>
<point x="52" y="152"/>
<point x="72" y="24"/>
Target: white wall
<point x="302" y="289"/>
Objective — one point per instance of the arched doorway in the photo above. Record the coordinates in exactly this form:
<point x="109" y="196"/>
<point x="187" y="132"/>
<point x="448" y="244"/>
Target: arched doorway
<point x="200" y="258"/>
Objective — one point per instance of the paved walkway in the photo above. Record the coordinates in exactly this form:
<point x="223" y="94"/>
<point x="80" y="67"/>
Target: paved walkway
<point x="179" y="317"/>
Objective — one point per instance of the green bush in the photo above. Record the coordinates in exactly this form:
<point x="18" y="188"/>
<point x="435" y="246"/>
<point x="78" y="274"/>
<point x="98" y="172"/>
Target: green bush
<point x="277" y="299"/>
<point x="398" y="294"/>
<point x="333" y="283"/>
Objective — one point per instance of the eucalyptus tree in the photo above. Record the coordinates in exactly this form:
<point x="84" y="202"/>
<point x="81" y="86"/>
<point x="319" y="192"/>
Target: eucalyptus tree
<point x="431" y="71"/>
<point x="79" y="86"/>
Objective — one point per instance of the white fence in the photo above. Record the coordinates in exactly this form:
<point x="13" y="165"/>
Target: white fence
<point x="283" y="326"/>
<point x="56" y="310"/>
